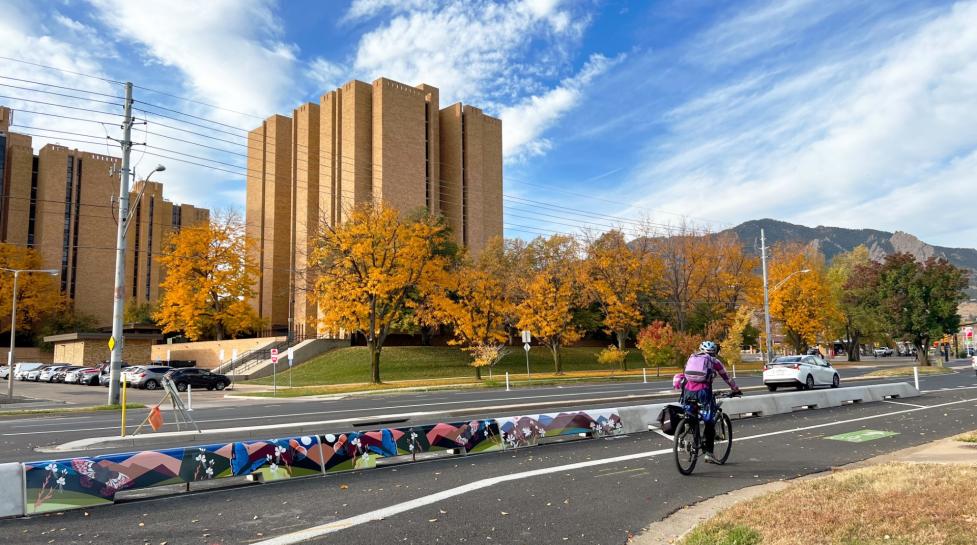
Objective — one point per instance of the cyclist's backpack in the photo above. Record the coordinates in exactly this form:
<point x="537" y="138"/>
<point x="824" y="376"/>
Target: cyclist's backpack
<point x="699" y="368"/>
<point x="668" y="418"/>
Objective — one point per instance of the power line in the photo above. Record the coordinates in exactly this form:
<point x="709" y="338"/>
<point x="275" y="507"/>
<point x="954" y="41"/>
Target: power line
<point x="61" y="70"/>
<point x="189" y="115"/>
<point x="193" y="101"/>
<point x="78" y="108"/>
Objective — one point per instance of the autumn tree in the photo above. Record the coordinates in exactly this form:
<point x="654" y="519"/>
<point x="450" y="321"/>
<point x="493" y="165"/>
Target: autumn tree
<point x="735" y="335"/>
<point x="917" y="300"/>
<point x="553" y="294"/>
<point x="800" y="296"/>
<point x="705" y="276"/>
<point x="853" y="294"/>
<point x="209" y="281"/>
<point x="614" y="274"/>
<point x="657" y="345"/>
<point x="38" y="294"/>
<point x="475" y="300"/>
<point x="368" y="268"/>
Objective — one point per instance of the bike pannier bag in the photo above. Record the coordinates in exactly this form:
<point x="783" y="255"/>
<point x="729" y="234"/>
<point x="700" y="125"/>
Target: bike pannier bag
<point x="668" y="418"/>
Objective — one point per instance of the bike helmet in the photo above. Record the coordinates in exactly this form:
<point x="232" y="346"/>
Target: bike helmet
<point x="709" y="347"/>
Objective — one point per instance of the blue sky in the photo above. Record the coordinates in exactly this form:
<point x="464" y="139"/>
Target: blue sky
<point x="856" y="114"/>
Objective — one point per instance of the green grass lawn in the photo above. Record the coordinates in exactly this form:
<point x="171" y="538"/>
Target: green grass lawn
<point x="352" y="365"/>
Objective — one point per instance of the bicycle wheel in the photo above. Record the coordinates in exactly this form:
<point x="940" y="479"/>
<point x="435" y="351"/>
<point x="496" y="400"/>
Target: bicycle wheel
<point x="724" y="439"/>
<point x="686" y="446"/>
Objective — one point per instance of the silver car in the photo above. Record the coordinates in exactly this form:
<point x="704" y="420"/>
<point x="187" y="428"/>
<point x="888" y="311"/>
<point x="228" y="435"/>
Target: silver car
<point x="148" y="377"/>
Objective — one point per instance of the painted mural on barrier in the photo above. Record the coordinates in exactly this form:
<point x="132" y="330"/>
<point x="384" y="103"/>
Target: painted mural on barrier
<point x="361" y="450"/>
<point x="527" y="431"/>
<point x="59" y="485"/>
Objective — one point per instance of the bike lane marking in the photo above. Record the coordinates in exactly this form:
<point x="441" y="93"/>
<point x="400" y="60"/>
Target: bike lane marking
<point x="396" y="509"/>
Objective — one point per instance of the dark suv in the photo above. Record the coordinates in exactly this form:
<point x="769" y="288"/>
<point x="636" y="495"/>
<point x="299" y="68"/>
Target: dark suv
<point x="197" y="378"/>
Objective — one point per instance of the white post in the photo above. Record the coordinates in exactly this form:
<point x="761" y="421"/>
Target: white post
<point x="189" y="397"/>
<point x="916" y="376"/>
<point x="734" y="371"/>
<point x="507" y="381"/>
<point x="167" y="356"/>
<point x="644" y="374"/>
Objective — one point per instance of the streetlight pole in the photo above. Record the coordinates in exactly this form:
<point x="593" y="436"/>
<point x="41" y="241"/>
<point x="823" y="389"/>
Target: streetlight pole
<point x="766" y="295"/>
<point x="13" y="326"/>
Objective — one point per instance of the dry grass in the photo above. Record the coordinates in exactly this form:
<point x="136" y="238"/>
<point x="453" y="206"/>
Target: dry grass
<point x="970" y="437"/>
<point x="908" y="371"/>
<point x="890" y="504"/>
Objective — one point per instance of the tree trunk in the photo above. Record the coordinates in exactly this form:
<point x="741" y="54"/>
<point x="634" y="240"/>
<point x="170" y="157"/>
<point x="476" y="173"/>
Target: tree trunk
<point x="622" y="339"/>
<point x="478" y="373"/>
<point x="853" y="347"/>
<point x="557" y="363"/>
<point x="426" y="335"/>
<point x="374" y="362"/>
<point x="922" y="352"/>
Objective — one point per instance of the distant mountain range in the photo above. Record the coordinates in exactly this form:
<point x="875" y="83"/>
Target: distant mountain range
<point x="832" y="241"/>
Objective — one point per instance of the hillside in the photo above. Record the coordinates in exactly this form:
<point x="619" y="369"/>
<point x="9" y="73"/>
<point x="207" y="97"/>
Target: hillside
<point x="832" y="241"/>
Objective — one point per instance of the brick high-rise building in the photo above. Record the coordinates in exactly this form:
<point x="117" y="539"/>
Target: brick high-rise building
<point x="59" y="202"/>
<point x="381" y="142"/>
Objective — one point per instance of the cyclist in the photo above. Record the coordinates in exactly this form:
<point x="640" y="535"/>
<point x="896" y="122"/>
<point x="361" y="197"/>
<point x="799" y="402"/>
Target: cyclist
<point x="700" y="370"/>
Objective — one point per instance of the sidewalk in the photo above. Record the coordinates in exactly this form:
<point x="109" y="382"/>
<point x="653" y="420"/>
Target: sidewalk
<point x="672" y="528"/>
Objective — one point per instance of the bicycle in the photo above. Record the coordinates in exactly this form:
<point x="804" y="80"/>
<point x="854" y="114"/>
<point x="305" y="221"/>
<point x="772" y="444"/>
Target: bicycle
<point x="689" y="432"/>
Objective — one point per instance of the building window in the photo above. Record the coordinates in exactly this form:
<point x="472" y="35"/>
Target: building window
<point x="32" y="214"/>
<point x="135" y="251"/>
<point x="74" y="236"/>
<point x="177" y="219"/>
<point x="149" y="246"/>
<point x="66" y="232"/>
<point x="3" y="178"/>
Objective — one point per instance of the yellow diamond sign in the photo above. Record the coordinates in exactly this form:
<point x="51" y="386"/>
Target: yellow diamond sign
<point x="112" y="343"/>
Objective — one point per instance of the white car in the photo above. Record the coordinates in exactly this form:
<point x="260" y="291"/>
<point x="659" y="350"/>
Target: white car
<point x="801" y="372"/>
<point x="21" y="370"/>
<point x="47" y="375"/>
<point x="5" y="371"/>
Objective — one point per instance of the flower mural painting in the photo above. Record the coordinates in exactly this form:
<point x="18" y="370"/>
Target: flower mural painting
<point x="527" y="431"/>
<point x="278" y="459"/>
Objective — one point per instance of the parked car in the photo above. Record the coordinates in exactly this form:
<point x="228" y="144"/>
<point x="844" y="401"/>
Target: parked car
<point x="62" y="373"/>
<point x="49" y="372"/>
<point x="74" y="375"/>
<point x="175" y="363"/>
<point x="105" y="371"/>
<point x="147" y="377"/>
<point x="883" y="352"/>
<point x="5" y="371"/>
<point x="21" y="370"/>
<point x="801" y="372"/>
<point x="198" y="378"/>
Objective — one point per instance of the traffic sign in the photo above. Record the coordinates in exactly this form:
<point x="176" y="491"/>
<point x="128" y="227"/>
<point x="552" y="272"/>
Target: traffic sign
<point x="112" y="343"/>
<point x="274" y="355"/>
<point x="291" y="356"/>
<point x="527" y="337"/>
<point x="526" y="347"/>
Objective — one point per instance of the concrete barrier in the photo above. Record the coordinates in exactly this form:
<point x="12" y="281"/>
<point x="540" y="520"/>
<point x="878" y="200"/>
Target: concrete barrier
<point x="11" y="490"/>
<point x="87" y="481"/>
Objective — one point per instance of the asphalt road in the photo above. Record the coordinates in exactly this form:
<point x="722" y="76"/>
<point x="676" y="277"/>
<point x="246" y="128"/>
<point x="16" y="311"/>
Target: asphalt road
<point x="587" y="492"/>
<point x="20" y="437"/>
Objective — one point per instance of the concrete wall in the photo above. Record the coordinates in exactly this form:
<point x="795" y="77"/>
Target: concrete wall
<point x="92" y="352"/>
<point x="207" y="354"/>
<point x="11" y="490"/>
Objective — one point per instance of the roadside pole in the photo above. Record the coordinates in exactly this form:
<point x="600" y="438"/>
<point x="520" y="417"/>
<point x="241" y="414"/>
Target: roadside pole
<point x="916" y="376"/>
<point x="123" y="408"/>
<point x="118" y="299"/>
<point x="291" y="361"/>
<point x="644" y="374"/>
<point x="527" y="338"/>
<point x="507" y="381"/>
<point x="766" y="296"/>
<point x="189" y="397"/>
<point x="274" y="372"/>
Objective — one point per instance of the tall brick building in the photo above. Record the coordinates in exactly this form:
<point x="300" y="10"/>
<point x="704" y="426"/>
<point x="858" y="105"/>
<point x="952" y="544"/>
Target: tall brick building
<point x="58" y="202"/>
<point x="384" y="141"/>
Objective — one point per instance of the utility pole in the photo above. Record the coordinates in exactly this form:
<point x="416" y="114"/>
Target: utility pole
<point x="766" y="295"/>
<point x="118" y="299"/>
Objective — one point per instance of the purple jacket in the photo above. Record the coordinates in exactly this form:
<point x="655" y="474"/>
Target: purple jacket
<point x="720" y="369"/>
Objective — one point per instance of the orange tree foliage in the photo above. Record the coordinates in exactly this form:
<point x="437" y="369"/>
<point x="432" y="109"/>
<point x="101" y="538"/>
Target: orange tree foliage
<point x="614" y="274"/>
<point x="38" y="294"/>
<point x="803" y="302"/>
<point x="209" y="281"/>
<point x="703" y="273"/>
<point x="662" y="346"/>
<point x="369" y="269"/>
<point x="475" y="299"/>
<point x="552" y="294"/>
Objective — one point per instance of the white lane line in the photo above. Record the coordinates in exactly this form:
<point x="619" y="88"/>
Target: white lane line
<point x="341" y="411"/>
<point x="386" y="512"/>
<point x="900" y="403"/>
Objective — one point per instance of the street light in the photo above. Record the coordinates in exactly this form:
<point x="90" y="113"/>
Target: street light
<point x="766" y="304"/>
<point x="13" y="325"/>
<point x="118" y="300"/>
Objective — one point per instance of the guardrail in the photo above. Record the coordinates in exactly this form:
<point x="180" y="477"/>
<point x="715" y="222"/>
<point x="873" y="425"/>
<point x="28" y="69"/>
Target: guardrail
<point x="74" y="483"/>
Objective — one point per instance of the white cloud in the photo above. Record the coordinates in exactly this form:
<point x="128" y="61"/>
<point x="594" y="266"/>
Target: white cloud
<point x="868" y="137"/>
<point x="524" y="123"/>
<point x="469" y="50"/>
<point x="230" y="51"/>
<point x="325" y="74"/>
